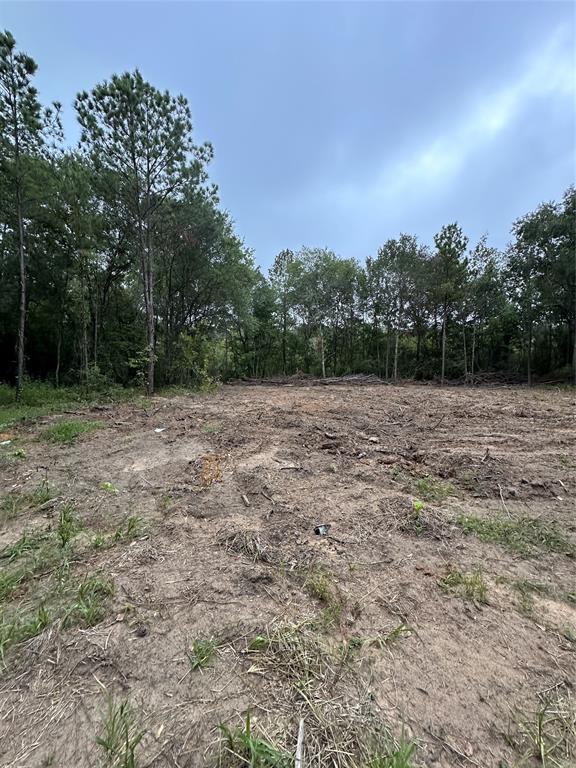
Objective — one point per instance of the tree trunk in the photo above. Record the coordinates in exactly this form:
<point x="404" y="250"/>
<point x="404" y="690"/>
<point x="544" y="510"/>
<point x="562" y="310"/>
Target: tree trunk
<point x="22" y="319"/>
<point x="387" y="352"/>
<point x="473" y="352"/>
<point x="148" y="286"/>
<point x="529" y="356"/>
<point x="284" y="330"/>
<point x="444" y="318"/>
<point x="322" y="356"/>
<point x="574" y="353"/>
<point x="465" y="353"/>
<point x="58" y="354"/>
<point x="396" y="354"/>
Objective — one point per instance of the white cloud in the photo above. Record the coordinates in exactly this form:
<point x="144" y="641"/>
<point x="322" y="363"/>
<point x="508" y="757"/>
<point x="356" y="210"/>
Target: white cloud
<point x="436" y="162"/>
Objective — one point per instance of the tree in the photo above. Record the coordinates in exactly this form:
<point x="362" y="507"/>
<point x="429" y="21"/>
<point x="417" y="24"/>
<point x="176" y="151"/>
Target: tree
<point x="450" y="276"/>
<point x="281" y="280"/>
<point x="22" y="125"/>
<point x="542" y="271"/>
<point x="400" y="260"/>
<point x="143" y="135"/>
<point x="485" y="297"/>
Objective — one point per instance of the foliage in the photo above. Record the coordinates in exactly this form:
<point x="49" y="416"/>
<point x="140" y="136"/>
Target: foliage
<point x="118" y="267"/>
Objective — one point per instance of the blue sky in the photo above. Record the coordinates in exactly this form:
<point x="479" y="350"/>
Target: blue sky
<point x="342" y="124"/>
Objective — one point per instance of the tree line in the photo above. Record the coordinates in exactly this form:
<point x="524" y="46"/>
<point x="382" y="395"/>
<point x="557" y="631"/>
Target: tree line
<point x="118" y="265"/>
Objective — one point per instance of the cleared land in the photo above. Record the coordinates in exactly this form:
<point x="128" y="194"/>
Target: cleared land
<point x="161" y="577"/>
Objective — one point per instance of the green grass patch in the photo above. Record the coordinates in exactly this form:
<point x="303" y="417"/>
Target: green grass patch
<point x="19" y="627"/>
<point x="120" y="735"/>
<point x="433" y="490"/>
<point x="16" y="502"/>
<point x="471" y="586"/>
<point x="68" y="431"/>
<point x="398" y="757"/>
<point x="88" y="607"/>
<point x="242" y="744"/>
<point x="524" y="535"/>
<point x="201" y="652"/>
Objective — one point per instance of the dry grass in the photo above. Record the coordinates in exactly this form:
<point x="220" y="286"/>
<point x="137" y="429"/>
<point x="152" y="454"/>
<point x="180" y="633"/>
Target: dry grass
<point x="548" y="735"/>
<point x="319" y="679"/>
<point x="248" y="543"/>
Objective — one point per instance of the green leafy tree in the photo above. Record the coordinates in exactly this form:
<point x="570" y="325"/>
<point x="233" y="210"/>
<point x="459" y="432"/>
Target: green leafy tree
<point x="281" y="278"/>
<point x="144" y="135"/>
<point x="450" y="270"/>
<point x="23" y="125"/>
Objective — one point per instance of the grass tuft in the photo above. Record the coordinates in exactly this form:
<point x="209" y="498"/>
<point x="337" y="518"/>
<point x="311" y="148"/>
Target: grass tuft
<point x="319" y="585"/>
<point x="399" y="757"/>
<point x="471" y="586"/>
<point x="88" y="607"/>
<point x="67" y="431"/>
<point x="201" y="652"/>
<point x="120" y="736"/>
<point x="548" y="735"/>
<point x="524" y="535"/>
<point x="241" y="744"/>
<point x="433" y="490"/>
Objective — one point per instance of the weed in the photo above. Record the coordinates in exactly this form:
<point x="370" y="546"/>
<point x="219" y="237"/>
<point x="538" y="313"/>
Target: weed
<point x="43" y="493"/>
<point x="471" y="586"/>
<point x="164" y="502"/>
<point x="9" y="582"/>
<point x="18" y="629"/>
<point x="130" y="529"/>
<point x="417" y="505"/>
<point x="11" y="506"/>
<point x="433" y="490"/>
<point x="35" y="624"/>
<point x="212" y="427"/>
<point x="109" y="487"/>
<point x="317" y="679"/>
<point x="201" y="652"/>
<point x="99" y="541"/>
<point x="242" y="744"/>
<point x="68" y="431"/>
<point x="26" y="543"/>
<point x="16" y="502"/>
<point x="120" y="736"/>
<point x="383" y="641"/>
<point x="549" y="734"/>
<point x="398" y="757"/>
<point x="67" y="526"/>
<point x="88" y="608"/>
<point x="319" y="585"/>
<point x="565" y="461"/>
<point x="524" y="535"/>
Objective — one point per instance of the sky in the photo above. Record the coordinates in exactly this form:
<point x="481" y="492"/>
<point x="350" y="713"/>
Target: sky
<point x="341" y="124"/>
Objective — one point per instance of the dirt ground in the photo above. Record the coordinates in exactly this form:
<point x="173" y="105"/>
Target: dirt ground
<point x="454" y="634"/>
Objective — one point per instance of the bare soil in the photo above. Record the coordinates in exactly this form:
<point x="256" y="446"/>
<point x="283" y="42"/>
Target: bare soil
<point x="230" y="492"/>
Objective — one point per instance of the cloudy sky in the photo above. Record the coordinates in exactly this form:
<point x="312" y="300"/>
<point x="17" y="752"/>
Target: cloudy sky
<point x="342" y="124"/>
